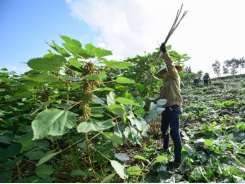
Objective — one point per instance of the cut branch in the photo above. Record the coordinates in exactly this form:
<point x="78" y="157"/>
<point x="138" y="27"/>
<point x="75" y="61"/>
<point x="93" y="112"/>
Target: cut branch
<point x="171" y="31"/>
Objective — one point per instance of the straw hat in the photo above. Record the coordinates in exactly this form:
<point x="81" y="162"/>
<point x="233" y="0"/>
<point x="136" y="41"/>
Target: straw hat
<point x="164" y="68"/>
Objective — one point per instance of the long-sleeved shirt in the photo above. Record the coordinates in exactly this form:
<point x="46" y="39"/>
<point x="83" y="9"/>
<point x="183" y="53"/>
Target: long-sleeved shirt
<point x="171" y="87"/>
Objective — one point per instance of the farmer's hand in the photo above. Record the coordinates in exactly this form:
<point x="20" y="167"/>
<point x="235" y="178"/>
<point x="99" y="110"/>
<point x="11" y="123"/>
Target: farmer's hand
<point x="163" y="48"/>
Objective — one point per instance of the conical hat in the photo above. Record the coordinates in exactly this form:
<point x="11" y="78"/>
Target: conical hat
<point x="177" y="66"/>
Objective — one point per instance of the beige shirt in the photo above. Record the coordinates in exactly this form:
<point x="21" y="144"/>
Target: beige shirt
<point x="171" y="87"/>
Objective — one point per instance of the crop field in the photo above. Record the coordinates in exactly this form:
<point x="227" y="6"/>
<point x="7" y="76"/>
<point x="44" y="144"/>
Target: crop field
<point x="78" y="117"/>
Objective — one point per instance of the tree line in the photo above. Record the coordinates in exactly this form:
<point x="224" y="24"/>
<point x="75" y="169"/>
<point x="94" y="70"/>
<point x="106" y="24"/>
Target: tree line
<point x="229" y="66"/>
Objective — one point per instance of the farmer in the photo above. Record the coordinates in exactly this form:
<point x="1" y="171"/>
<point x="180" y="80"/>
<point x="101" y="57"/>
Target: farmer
<point x="196" y="81"/>
<point x="171" y="115"/>
<point x="206" y="79"/>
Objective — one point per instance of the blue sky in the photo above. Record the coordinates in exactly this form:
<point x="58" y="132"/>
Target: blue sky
<point x="212" y="30"/>
<point x="27" y="24"/>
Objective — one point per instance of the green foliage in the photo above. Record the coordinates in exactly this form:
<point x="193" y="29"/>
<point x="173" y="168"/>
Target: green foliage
<point x="69" y="120"/>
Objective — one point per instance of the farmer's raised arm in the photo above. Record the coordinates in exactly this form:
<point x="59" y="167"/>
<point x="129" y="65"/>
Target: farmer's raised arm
<point x="170" y="64"/>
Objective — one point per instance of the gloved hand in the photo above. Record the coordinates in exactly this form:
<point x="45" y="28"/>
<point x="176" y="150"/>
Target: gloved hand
<point x="163" y="48"/>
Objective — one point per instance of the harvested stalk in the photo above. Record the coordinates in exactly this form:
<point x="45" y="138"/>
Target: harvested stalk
<point x="173" y="28"/>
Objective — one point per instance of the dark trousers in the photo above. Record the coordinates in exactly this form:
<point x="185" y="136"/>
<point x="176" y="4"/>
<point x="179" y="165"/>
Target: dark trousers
<point x="171" y="118"/>
<point x="196" y="81"/>
<point x="205" y="82"/>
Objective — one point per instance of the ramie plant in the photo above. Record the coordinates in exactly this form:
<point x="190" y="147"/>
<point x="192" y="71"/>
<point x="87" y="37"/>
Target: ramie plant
<point x="67" y="114"/>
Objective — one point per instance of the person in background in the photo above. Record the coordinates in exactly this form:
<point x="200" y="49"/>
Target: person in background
<point x="171" y="115"/>
<point x="206" y="79"/>
<point x="196" y="81"/>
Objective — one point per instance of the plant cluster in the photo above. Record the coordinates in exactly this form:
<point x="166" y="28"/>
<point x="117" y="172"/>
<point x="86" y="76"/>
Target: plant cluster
<point x="78" y="117"/>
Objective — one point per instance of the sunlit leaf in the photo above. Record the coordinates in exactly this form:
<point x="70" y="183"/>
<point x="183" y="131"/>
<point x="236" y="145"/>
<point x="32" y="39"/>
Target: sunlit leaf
<point x="75" y="63"/>
<point x="117" y="109"/>
<point x="134" y="170"/>
<point x="161" y="158"/>
<point x="53" y="122"/>
<point x="141" y="158"/>
<point x="124" y="80"/>
<point x="86" y="127"/>
<point x="47" y="157"/>
<point x="208" y="142"/>
<point x="119" y="168"/>
<point x="47" y="64"/>
<point x="113" y="137"/>
<point x="116" y="64"/>
<point x="125" y="101"/>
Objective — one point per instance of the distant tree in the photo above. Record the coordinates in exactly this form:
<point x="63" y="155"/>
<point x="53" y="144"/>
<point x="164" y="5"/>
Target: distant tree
<point x="241" y="64"/>
<point x="199" y="74"/>
<point x="234" y="67"/>
<point x="225" y="70"/>
<point x="216" y="68"/>
<point x="187" y="69"/>
<point x="187" y="74"/>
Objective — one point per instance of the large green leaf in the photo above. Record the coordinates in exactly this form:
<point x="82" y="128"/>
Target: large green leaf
<point x="26" y="141"/>
<point x="12" y="150"/>
<point x="141" y="158"/>
<point x="46" y="64"/>
<point x="92" y="77"/>
<point x="124" y="80"/>
<point x="125" y="101"/>
<point x="40" y="78"/>
<point x="108" y="178"/>
<point x="119" y="168"/>
<point x="53" y="122"/>
<point x="7" y="138"/>
<point x="78" y="172"/>
<point x="113" y="137"/>
<point x="99" y="52"/>
<point x="44" y="170"/>
<point x="59" y="49"/>
<point x="116" y="64"/>
<point x="19" y="95"/>
<point x="77" y="51"/>
<point x="161" y="158"/>
<point x="75" y="63"/>
<point x="47" y="157"/>
<point x="122" y="156"/>
<point x="11" y="163"/>
<point x="35" y="155"/>
<point x="110" y="98"/>
<point x="6" y="176"/>
<point x="71" y="41"/>
<point x="86" y="127"/>
<point x="139" y="122"/>
<point x="134" y="170"/>
<point x="208" y="142"/>
<point x="117" y="109"/>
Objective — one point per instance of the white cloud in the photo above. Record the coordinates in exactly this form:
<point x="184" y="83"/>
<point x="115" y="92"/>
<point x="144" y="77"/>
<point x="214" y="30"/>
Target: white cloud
<point x="213" y="30"/>
<point x="17" y="69"/>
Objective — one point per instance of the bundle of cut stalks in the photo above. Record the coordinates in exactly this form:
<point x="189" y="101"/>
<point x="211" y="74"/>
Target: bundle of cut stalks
<point x="177" y="21"/>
